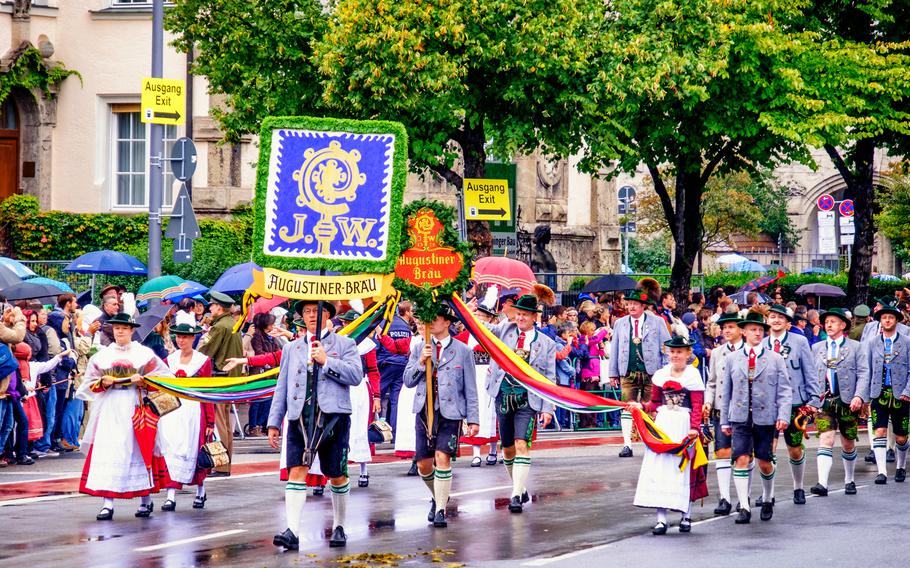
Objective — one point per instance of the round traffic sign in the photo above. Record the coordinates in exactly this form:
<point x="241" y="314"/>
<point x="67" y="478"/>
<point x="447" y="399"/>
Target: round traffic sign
<point x="626" y="193"/>
<point x="825" y="202"/>
<point x="846" y="208"/>
<point x="183" y="158"/>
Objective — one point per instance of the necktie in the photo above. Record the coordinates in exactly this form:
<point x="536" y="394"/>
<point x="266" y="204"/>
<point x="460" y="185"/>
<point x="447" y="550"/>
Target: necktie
<point x="751" y="359"/>
<point x="521" y="341"/>
<point x="887" y="362"/>
<point x="832" y="374"/>
<point x="438" y="352"/>
<point x="636" y="329"/>
<point x="777" y="345"/>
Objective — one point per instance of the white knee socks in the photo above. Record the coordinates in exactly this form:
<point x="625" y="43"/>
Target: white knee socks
<point x="901" y="455"/>
<point x="849" y="465"/>
<point x="798" y="467"/>
<point x="880" y="448"/>
<point x="520" y="470"/>
<point x="443" y="487"/>
<point x="825" y="460"/>
<point x="428" y="480"/>
<point x="625" y="422"/>
<point x="767" y="486"/>
<point x="724" y="472"/>
<point x="339" y="503"/>
<point x="741" y="483"/>
<point x="294" y="500"/>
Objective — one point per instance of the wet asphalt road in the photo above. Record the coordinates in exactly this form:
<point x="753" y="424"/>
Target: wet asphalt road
<point x="581" y="515"/>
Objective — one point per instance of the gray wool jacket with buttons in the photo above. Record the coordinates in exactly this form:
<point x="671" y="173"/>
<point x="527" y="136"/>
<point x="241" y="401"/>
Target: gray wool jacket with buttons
<point x="455" y="377"/>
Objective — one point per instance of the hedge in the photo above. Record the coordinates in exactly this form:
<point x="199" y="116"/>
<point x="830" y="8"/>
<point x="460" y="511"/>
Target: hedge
<point x="32" y="234"/>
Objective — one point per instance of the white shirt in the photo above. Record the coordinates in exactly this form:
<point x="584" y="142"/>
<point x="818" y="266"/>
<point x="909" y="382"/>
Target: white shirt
<point x="641" y="325"/>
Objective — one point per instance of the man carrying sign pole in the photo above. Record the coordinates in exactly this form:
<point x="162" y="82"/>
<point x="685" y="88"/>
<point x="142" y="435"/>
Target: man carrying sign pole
<point x="442" y="401"/>
<point x="319" y="414"/>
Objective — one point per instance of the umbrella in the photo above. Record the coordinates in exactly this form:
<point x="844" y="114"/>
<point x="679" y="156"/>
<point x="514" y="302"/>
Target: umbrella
<point x="150" y="319"/>
<point x="886" y="277"/>
<point x="18" y="268"/>
<point x="64" y="287"/>
<point x="161" y="287"/>
<point x="762" y="281"/>
<point x="107" y="262"/>
<point x="25" y="290"/>
<point x="817" y="270"/>
<point x="610" y="283"/>
<point x="819" y="289"/>
<point x="265" y="305"/>
<point x="504" y="272"/>
<point x="236" y="279"/>
<point x="740" y="297"/>
<point x="731" y="258"/>
<point x="191" y="289"/>
<point x="747" y="266"/>
<point x="8" y="277"/>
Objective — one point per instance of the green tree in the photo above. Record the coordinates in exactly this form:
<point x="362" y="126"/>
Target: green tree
<point x="650" y="255"/>
<point x="468" y="79"/>
<point x="893" y="196"/>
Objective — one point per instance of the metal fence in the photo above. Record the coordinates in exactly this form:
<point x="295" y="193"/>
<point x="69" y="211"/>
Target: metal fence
<point x="567" y="285"/>
<point x="797" y="261"/>
<point x="53" y="269"/>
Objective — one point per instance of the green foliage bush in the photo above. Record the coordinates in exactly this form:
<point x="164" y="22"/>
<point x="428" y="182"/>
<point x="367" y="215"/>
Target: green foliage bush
<point x="33" y="234"/>
<point x="791" y="282"/>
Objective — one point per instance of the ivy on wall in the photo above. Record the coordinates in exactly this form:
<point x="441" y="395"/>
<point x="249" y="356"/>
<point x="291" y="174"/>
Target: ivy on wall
<point x="30" y="71"/>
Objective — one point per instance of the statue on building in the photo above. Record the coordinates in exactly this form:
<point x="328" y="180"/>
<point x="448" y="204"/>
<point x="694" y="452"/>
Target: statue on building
<point x="21" y="9"/>
<point x="542" y="260"/>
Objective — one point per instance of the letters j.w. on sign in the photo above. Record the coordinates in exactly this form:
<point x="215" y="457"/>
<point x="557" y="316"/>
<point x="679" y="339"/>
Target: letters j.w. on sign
<point x="428" y="263"/>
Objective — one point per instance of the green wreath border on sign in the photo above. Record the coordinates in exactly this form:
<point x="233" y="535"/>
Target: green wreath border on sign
<point x="398" y="182"/>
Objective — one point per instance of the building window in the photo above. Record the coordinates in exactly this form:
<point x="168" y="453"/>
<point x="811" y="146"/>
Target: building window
<point x="130" y="159"/>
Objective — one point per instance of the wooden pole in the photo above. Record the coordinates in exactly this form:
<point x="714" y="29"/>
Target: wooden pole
<point x="430" y="403"/>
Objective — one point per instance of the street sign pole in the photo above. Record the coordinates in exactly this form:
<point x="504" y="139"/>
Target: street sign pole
<point x="156" y="145"/>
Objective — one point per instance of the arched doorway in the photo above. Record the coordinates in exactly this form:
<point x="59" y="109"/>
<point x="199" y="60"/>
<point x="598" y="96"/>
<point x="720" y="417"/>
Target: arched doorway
<point x="9" y="149"/>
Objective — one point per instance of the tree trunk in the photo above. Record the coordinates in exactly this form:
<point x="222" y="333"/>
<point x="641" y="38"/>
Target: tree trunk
<point x="687" y="230"/>
<point x="475" y="161"/>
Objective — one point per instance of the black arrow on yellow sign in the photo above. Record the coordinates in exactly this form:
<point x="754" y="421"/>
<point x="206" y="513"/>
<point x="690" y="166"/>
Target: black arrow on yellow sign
<point x="172" y="115"/>
<point x="500" y="212"/>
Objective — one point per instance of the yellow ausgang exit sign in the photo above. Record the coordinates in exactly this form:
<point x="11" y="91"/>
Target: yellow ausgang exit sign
<point x="486" y="200"/>
<point x="163" y="101"/>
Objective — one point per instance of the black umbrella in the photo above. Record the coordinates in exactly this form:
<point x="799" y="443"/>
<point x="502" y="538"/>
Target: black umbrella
<point x="28" y="291"/>
<point x="609" y="283"/>
<point x="150" y="320"/>
<point x="8" y="277"/>
<point x="820" y="289"/>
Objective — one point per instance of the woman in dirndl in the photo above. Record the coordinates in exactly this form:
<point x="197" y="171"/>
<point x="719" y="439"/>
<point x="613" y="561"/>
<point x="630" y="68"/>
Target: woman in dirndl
<point x="677" y="395"/>
<point x="184" y="431"/>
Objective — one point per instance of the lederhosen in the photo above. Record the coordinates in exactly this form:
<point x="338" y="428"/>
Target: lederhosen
<point x="517" y="419"/>
<point x="319" y="433"/>
<point x="888" y="406"/>
<point x="750" y="438"/>
<point x="793" y="436"/>
<point x="835" y="414"/>
<point x="446" y="431"/>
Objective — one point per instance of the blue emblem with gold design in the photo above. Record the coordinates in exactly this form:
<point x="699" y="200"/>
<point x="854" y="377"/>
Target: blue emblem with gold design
<point x="328" y="194"/>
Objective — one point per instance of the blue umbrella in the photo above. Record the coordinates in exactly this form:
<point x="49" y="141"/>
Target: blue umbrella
<point x="18" y="268"/>
<point x="236" y="279"/>
<point x="886" y="277"/>
<point x="64" y="287"/>
<point x="747" y="266"/>
<point x="817" y="270"/>
<point x="191" y="290"/>
<point x="107" y="262"/>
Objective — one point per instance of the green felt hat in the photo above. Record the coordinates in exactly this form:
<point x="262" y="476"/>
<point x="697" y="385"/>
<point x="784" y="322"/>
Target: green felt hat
<point x="527" y="303"/>
<point x="754" y="318"/>
<point x="838" y="313"/>
<point x="185" y="329"/>
<point x="221" y="299"/>
<point x="889" y="306"/>
<point x="122" y="318"/>
<point x="729" y="317"/>
<point x="782" y="310"/>
<point x="679" y="341"/>
<point x="640" y="296"/>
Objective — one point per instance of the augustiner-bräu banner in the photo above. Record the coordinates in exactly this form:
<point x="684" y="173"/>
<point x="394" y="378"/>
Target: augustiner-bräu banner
<point x="271" y="282"/>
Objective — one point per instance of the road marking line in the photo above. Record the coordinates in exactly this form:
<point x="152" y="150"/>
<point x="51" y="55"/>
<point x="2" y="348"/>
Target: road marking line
<point x="73" y="475"/>
<point x="28" y="500"/>
<point x="189" y="540"/>
<point x="552" y="559"/>
<point x="477" y="491"/>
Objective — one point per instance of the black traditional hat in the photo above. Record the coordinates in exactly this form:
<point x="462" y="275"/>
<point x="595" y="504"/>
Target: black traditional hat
<point x="679" y="341"/>
<point x="297" y="307"/>
<point x="123" y="318"/>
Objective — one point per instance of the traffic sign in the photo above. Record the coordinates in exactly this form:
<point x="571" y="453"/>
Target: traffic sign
<point x="163" y="101"/>
<point x="183" y="227"/>
<point x="846" y="208"/>
<point x="183" y="158"/>
<point x="825" y="202"/>
<point x="487" y="200"/>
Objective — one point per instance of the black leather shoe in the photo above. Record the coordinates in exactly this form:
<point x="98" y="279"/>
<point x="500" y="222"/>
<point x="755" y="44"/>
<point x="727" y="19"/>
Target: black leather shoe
<point x="767" y="511"/>
<point x="515" y="505"/>
<point x="431" y="516"/>
<point x="850" y="488"/>
<point x="881" y="479"/>
<point x="364" y="481"/>
<point x="900" y="475"/>
<point x="870" y="457"/>
<point x="525" y="498"/>
<point x="169" y="506"/>
<point x="220" y="474"/>
<point x="199" y="502"/>
<point x="659" y="529"/>
<point x="105" y="514"/>
<point x="890" y="457"/>
<point x="626" y="452"/>
<point x="413" y="471"/>
<point x="685" y="525"/>
<point x="440" y="520"/>
<point x="491" y="459"/>
<point x="145" y="511"/>
<point x="819" y="489"/>
<point x="339" y="539"/>
<point x="799" y="497"/>
<point x="723" y="508"/>
<point x="287" y="540"/>
<point x="744" y="517"/>
<point x="759" y="502"/>
<point x="26" y="460"/>
<point x="319" y="491"/>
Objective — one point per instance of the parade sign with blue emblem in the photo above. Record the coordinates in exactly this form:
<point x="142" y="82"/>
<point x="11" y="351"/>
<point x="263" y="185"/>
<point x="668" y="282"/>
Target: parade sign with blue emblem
<point x="328" y="194"/>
